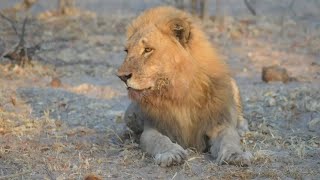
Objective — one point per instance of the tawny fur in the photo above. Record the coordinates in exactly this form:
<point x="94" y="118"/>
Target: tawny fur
<point x="192" y="98"/>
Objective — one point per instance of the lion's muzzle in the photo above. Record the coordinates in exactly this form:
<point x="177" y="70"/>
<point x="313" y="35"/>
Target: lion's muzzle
<point x="124" y="76"/>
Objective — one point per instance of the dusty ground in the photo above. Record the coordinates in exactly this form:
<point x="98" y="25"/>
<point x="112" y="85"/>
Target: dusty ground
<point x="75" y="128"/>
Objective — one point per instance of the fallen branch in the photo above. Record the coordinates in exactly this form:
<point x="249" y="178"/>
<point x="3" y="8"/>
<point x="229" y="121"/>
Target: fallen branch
<point x="23" y="31"/>
<point x="11" y="22"/>
<point x="49" y="173"/>
<point x="19" y="53"/>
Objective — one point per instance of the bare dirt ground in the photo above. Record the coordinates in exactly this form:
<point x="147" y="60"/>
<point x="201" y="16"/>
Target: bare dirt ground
<point x="69" y="130"/>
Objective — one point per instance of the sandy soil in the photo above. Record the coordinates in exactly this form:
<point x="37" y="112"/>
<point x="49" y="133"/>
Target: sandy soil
<point x="75" y="128"/>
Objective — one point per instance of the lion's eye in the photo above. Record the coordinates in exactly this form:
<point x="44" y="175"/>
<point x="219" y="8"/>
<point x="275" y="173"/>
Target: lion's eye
<point x="126" y="50"/>
<point x="147" y="50"/>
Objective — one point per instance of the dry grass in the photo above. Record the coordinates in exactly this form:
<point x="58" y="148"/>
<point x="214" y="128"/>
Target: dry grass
<point x="46" y="148"/>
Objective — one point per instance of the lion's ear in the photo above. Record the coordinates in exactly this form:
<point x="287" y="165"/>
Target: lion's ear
<point x="180" y="29"/>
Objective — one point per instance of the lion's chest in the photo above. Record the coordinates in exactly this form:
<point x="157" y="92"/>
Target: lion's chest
<point x="181" y="127"/>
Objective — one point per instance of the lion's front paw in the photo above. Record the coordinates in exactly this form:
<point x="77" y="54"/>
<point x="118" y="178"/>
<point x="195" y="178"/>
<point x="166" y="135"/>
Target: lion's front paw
<point x="171" y="157"/>
<point x="235" y="158"/>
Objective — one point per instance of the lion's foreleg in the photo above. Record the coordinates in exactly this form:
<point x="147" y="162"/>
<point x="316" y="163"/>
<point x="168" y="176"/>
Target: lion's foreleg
<point x="226" y="149"/>
<point x="165" y="152"/>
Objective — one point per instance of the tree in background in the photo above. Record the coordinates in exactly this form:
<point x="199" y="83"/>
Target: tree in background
<point x="179" y="4"/>
<point x="198" y="7"/>
<point x="202" y="6"/>
<point x="23" y="6"/>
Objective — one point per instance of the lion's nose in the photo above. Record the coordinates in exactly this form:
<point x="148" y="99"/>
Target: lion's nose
<point x="125" y="77"/>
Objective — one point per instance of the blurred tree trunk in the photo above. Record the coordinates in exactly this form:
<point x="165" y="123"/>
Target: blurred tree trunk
<point x="194" y="7"/>
<point x="204" y="9"/>
<point x="180" y="4"/>
<point x="218" y="15"/>
<point x="218" y="8"/>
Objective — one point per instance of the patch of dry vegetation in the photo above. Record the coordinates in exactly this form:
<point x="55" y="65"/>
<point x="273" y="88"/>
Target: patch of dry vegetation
<point x="46" y="148"/>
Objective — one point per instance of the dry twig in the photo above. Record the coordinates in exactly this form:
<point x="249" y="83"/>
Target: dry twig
<point x="49" y="173"/>
<point x="11" y="22"/>
<point x="250" y="8"/>
<point x="19" y="53"/>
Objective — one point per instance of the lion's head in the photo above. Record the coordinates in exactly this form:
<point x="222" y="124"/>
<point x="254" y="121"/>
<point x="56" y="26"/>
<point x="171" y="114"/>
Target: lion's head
<point x="170" y="60"/>
<point x="156" y="56"/>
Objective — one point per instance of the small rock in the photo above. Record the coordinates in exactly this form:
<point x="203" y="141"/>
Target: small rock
<point x="236" y="33"/>
<point x="92" y="177"/>
<point x="244" y="70"/>
<point x="315" y="64"/>
<point x="271" y="102"/>
<point x="55" y="83"/>
<point x="314" y="124"/>
<point x="313" y="106"/>
<point x="275" y="73"/>
<point x="255" y="32"/>
<point x="179" y="175"/>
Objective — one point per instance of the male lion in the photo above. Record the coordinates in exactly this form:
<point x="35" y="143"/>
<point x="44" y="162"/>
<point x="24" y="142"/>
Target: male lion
<point x="182" y="92"/>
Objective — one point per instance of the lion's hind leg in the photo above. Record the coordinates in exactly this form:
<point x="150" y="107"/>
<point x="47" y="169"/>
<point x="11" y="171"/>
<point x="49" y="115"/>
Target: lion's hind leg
<point x="242" y="123"/>
<point x="242" y="126"/>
